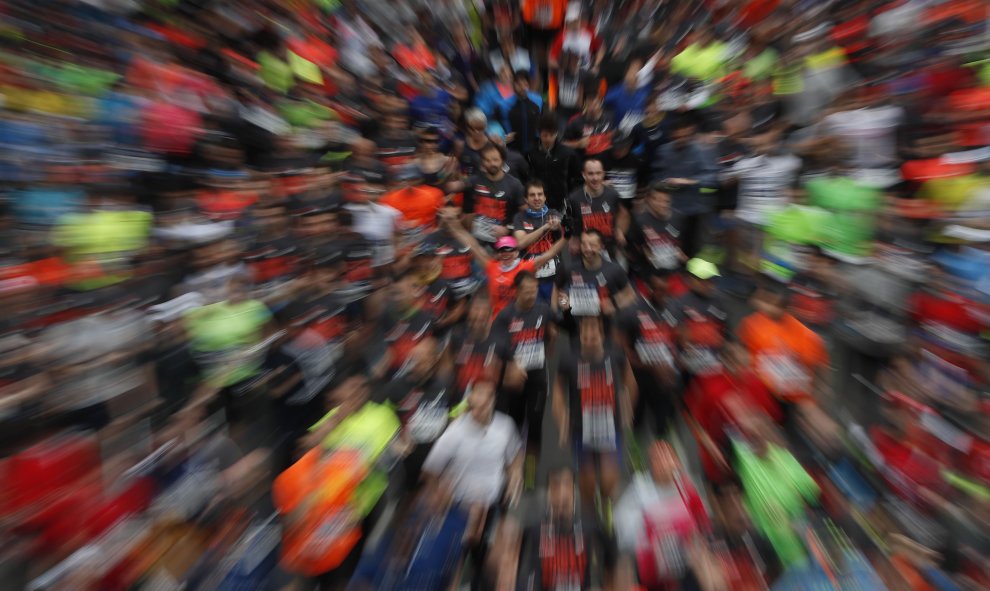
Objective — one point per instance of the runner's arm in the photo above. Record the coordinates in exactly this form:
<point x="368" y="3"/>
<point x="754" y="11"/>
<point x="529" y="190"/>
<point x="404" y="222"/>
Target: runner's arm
<point x="553" y="252"/>
<point x="527" y="239"/>
<point x="465" y="238"/>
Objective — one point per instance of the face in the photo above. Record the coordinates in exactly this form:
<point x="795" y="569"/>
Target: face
<point x="428" y="142"/>
<point x="526" y="292"/>
<point x="238" y="288"/>
<point x="560" y="493"/>
<point x="491" y="161"/>
<point x="351" y="394"/>
<point x="507" y="255"/>
<point x="682" y="135"/>
<point x="772" y="303"/>
<point x="658" y="288"/>
<point x="535" y="198"/>
<point x="659" y="203"/>
<point x="591" y="246"/>
<point x="663" y="463"/>
<point x="520" y="86"/>
<point x="594" y="174"/>
<point x="478" y="315"/>
<point x="476" y="129"/>
<point x="704" y="287"/>
<point x="548" y="138"/>
<point x="405" y="292"/>
<point x="482" y="402"/>
<point x="593" y="106"/>
<point x="423" y="358"/>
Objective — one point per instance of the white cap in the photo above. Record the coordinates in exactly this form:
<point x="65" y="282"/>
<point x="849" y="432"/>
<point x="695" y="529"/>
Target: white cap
<point x="573" y="12"/>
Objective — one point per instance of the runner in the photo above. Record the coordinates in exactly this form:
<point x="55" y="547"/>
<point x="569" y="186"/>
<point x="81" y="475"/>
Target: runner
<point x="535" y="227"/>
<point x="653" y="241"/>
<point x="491" y="198"/>
<point x="591" y="285"/>
<point x="595" y="206"/>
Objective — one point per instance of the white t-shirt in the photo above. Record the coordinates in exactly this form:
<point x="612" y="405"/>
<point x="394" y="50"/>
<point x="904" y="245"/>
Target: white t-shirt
<point x="763" y="184"/>
<point x="378" y="224"/>
<point x="475" y="457"/>
<point x="870" y="135"/>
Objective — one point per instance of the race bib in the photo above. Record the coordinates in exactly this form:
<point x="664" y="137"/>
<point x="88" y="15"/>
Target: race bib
<point x="547" y="270"/>
<point x="663" y="255"/>
<point x="784" y="373"/>
<point x="427" y="424"/>
<point x="668" y="555"/>
<point x="531" y="355"/>
<point x="598" y="428"/>
<point x="585" y="301"/>
<point x="331" y="528"/>
<point x="700" y="361"/>
<point x="483" y="229"/>
<point x="654" y="354"/>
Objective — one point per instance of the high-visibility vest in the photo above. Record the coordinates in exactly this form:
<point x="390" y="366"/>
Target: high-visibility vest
<point x="314" y="494"/>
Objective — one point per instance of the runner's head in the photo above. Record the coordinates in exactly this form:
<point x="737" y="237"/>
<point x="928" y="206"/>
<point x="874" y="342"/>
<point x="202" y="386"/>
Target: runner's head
<point x="238" y="288"/>
<point x="658" y="200"/>
<point x="664" y="463"/>
<point x="594" y="174"/>
<point x="683" y="130"/>
<point x="475" y="123"/>
<point x="592" y="243"/>
<point x="481" y="401"/>
<point x="423" y="359"/>
<point x="535" y="197"/>
<point x="429" y="140"/>
<point x="492" y="160"/>
<point x="659" y="287"/>
<point x="560" y="493"/>
<point x="527" y="289"/>
<point x="351" y="394"/>
<point x="592" y="337"/>
<point x="479" y="314"/>
<point x="406" y="290"/>
<point x="592" y="103"/>
<point x="549" y="128"/>
<point x="772" y="299"/>
<point x="507" y="249"/>
<point x="520" y="83"/>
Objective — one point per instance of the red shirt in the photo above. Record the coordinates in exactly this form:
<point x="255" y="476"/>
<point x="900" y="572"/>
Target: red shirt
<point x="501" y="290"/>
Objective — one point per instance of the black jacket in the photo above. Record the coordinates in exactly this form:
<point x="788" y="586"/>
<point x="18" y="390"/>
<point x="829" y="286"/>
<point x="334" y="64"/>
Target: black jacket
<point x="557" y="168"/>
<point x="524" y="121"/>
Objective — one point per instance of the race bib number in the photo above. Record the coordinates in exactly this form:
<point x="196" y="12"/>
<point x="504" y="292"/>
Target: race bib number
<point x="585" y="301"/>
<point x="547" y="270"/>
<point x="569" y="585"/>
<point x="483" y="229"/>
<point x="331" y="528"/>
<point x="427" y="424"/>
<point x="668" y="555"/>
<point x="700" y="361"/>
<point x="544" y="16"/>
<point x="785" y="375"/>
<point x="598" y="428"/>
<point x="654" y="354"/>
<point x="531" y="355"/>
<point x="663" y="256"/>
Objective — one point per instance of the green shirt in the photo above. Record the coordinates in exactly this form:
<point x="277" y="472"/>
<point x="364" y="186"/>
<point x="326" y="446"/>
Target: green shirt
<point x="219" y="331"/>
<point x="776" y="490"/>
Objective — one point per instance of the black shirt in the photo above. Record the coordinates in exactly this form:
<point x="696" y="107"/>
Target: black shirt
<point x="423" y="407"/>
<point x="472" y="357"/>
<point x="598" y="131"/>
<point x="522" y="334"/>
<point x="492" y="202"/>
<point x="625" y="174"/>
<point x="654" y="243"/>
<point x="594" y="387"/>
<point x="586" y="289"/>
<point x="561" y="553"/>
<point x="595" y="213"/>
<point x="651" y="333"/>
<point x="703" y="326"/>
<point x="531" y="223"/>
<point x="457" y="261"/>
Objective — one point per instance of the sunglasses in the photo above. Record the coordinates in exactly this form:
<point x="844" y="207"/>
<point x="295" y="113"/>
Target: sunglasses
<point x="429" y="140"/>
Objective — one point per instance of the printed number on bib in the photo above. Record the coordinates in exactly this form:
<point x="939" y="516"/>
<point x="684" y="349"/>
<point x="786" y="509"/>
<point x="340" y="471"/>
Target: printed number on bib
<point x="785" y="374"/>
<point x="663" y="256"/>
<point x="427" y="424"/>
<point x="585" y="301"/>
<point x="654" y="354"/>
<point x="530" y="355"/>
<point x="599" y="428"/>
<point x="547" y="270"/>
<point x="483" y="229"/>
<point x="700" y="360"/>
<point x="669" y="556"/>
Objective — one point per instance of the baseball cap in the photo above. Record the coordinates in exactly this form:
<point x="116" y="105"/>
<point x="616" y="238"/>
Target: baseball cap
<point x="506" y="242"/>
<point x="702" y="269"/>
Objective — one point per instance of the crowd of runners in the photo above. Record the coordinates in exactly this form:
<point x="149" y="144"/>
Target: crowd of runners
<point x="504" y="294"/>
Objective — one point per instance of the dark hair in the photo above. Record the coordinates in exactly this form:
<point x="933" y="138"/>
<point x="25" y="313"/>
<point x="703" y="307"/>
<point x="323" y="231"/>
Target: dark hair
<point x="403" y="275"/>
<point x="520" y="75"/>
<point x="685" y="121"/>
<point x="594" y="232"/>
<point x="593" y="159"/>
<point x="523" y="276"/>
<point x="548" y="122"/>
<point x="535" y="184"/>
<point x="493" y="146"/>
<point x="591" y="93"/>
